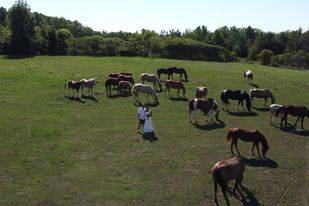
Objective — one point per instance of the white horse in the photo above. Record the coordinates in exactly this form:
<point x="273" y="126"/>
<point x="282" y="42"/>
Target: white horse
<point x="273" y="109"/>
<point x="147" y="89"/>
<point x="89" y="83"/>
<point x="151" y="78"/>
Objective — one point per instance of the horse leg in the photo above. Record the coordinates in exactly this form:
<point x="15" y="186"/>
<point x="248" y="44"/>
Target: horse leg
<point x="302" y="122"/>
<point x="236" y="146"/>
<point x="297" y="120"/>
<point x="215" y="190"/>
<point x="147" y="97"/>
<point x="178" y="92"/>
<point x="265" y="101"/>
<point x="226" y="199"/>
<point x="232" y="151"/>
<point x="258" y="149"/>
<point x="282" y="118"/>
<point x="238" y="105"/>
<point x="242" y="105"/>
<point x="235" y="186"/>
<point x="252" y="151"/>
<point x="286" y="120"/>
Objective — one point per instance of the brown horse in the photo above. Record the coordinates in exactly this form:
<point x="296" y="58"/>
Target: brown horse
<point x="208" y="107"/>
<point x="249" y="75"/>
<point x="124" y="86"/>
<point x="248" y="135"/>
<point x="122" y="77"/>
<point x="223" y="171"/>
<point x="174" y="85"/>
<point x="201" y="92"/>
<point x="73" y="85"/>
<point x="262" y="93"/>
<point x="109" y="83"/>
<point x="297" y="111"/>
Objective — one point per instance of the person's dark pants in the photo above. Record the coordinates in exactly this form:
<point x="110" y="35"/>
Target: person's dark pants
<point x="141" y="123"/>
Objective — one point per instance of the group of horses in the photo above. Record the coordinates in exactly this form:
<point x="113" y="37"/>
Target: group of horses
<point x="80" y="85"/>
<point x="223" y="171"/>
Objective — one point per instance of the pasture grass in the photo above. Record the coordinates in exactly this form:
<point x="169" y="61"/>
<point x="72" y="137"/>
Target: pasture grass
<point x="57" y="151"/>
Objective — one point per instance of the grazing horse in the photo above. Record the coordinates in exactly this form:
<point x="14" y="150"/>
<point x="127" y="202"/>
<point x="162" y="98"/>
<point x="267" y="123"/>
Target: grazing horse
<point x="273" y="111"/>
<point x="73" y="85"/>
<point x="122" y="77"/>
<point x="248" y="135"/>
<point x="239" y="95"/>
<point x="109" y="83"/>
<point x="171" y="70"/>
<point x="207" y="106"/>
<point x="201" y="92"/>
<point x="147" y="89"/>
<point x="296" y="111"/>
<point x="262" y="93"/>
<point x="126" y="74"/>
<point x="151" y="78"/>
<point x="174" y="85"/>
<point x="89" y="83"/>
<point x="124" y="86"/>
<point x="116" y="75"/>
<point x="223" y="171"/>
<point x="249" y="75"/>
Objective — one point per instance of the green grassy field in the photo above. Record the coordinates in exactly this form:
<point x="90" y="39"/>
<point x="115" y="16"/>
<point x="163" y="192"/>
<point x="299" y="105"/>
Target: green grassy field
<point x="54" y="151"/>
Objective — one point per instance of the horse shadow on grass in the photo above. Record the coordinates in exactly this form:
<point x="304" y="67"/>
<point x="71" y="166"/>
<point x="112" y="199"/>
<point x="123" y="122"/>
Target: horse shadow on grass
<point x="76" y="99"/>
<point x="259" y="162"/>
<point x="292" y="129"/>
<point x="242" y="114"/>
<point x="147" y="104"/>
<point x="218" y="124"/>
<point x="254" y="85"/>
<point x="262" y="109"/>
<point x="248" y="198"/>
<point x="149" y="137"/>
<point x="125" y="94"/>
<point x="90" y="98"/>
<point x="178" y="99"/>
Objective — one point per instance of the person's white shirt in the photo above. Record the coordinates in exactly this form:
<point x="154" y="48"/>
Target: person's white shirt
<point x="148" y="127"/>
<point x="142" y="113"/>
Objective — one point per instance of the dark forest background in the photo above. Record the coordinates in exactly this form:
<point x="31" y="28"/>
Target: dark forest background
<point x="23" y="32"/>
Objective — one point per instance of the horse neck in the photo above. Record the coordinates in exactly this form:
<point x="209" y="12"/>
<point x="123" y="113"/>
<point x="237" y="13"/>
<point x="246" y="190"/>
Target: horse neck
<point x="272" y="98"/>
<point x="263" y="141"/>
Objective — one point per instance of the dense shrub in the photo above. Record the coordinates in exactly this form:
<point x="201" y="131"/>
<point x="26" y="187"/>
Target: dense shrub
<point x="265" y="56"/>
<point x="299" y="59"/>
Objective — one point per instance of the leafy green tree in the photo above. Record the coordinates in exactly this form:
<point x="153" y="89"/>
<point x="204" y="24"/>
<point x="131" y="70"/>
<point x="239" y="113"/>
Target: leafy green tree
<point x="3" y="14"/>
<point x="63" y="37"/>
<point x="5" y="36"/>
<point x="266" y="56"/>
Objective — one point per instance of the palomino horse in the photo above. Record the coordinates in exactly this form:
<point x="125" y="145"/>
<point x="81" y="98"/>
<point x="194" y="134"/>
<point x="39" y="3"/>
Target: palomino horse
<point x="147" y="89"/>
<point x="124" y="86"/>
<point x="273" y="111"/>
<point x="262" y="93"/>
<point x="248" y="135"/>
<point x="207" y="106"/>
<point x="223" y="171"/>
<point x="201" y="92"/>
<point x="151" y="78"/>
<point x="109" y="83"/>
<point x="171" y="84"/>
<point x="73" y="85"/>
<point x="90" y="83"/>
<point x="171" y="70"/>
<point x="239" y="95"/>
<point x="297" y="111"/>
<point x="122" y="77"/>
<point x="249" y="75"/>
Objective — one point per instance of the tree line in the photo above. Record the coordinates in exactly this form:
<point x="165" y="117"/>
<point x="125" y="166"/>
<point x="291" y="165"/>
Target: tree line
<point x="23" y="32"/>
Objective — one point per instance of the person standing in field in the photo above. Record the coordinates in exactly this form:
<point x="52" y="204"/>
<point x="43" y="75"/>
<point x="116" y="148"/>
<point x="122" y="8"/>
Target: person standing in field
<point x="148" y="130"/>
<point x="141" y="114"/>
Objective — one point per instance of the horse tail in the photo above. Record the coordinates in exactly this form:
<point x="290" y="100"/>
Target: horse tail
<point x="229" y="136"/>
<point x="218" y="178"/>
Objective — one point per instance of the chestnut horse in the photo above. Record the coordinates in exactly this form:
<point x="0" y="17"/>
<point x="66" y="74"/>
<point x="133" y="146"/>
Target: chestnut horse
<point x="249" y="75"/>
<point x="89" y="83"/>
<point x="239" y="95"/>
<point x="273" y="112"/>
<point x="122" y="77"/>
<point x="171" y="84"/>
<point x="223" y="171"/>
<point x="147" y="89"/>
<point x="201" y="92"/>
<point x="171" y="70"/>
<point x="109" y="83"/>
<point x="207" y="106"/>
<point x="262" y="93"/>
<point x="124" y="86"/>
<point x="297" y="111"/>
<point x="151" y="78"/>
<point x="73" y="85"/>
<point x="248" y="135"/>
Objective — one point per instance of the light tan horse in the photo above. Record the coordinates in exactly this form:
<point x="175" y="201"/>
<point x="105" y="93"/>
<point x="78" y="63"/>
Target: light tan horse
<point x="262" y="93"/>
<point x="151" y="78"/>
<point x="223" y="171"/>
<point x="88" y="83"/>
<point x="201" y="92"/>
<point x="147" y="89"/>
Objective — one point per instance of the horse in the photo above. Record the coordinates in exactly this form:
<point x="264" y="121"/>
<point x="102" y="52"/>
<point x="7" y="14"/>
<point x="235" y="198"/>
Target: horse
<point x="239" y="95"/>
<point x="73" y="85"/>
<point x="223" y="171"/>
<point x="297" y="111"/>
<point x="116" y="75"/>
<point x="109" y="83"/>
<point x="249" y="75"/>
<point x="122" y="77"/>
<point x="90" y="83"/>
<point x="262" y="93"/>
<point x="273" y="111"/>
<point x="151" y="78"/>
<point x="207" y="106"/>
<point x="127" y="74"/>
<point x="171" y="70"/>
<point x="124" y="86"/>
<point x="201" y="92"/>
<point x="174" y="85"/>
<point x="147" y="89"/>
<point x="248" y="135"/>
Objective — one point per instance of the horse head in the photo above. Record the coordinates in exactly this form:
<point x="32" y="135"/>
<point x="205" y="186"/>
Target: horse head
<point x="264" y="150"/>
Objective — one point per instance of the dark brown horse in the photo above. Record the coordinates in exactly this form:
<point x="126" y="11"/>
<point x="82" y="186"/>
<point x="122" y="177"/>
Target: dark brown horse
<point x="223" y="171"/>
<point x="109" y="83"/>
<point x="207" y="106"/>
<point x="122" y="77"/>
<point x="73" y="85"/>
<point x="248" y="135"/>
<point x="171" y="70"/>
<point x="297" y="111"/>
<point x="171" y="84"/>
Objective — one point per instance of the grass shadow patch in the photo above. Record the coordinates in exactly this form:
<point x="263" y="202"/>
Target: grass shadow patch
<point x="242" y="114"/>
<point x="262" y="109"/>
<point x="255" y="162"/>
<point x="179" y="99"/>
<point x="218" y="124"/>
<point x="90" y="98"/>
<point x="292" y="129"/>
<point x="76" y="99"/>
